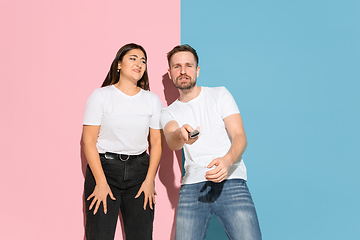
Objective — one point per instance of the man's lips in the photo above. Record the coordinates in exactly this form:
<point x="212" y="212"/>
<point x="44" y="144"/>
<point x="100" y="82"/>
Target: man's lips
<point x="183" y="78"/>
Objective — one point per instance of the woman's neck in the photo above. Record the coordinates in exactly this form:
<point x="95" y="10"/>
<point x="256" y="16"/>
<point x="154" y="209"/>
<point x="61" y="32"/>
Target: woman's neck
<point x="127" y="87"/>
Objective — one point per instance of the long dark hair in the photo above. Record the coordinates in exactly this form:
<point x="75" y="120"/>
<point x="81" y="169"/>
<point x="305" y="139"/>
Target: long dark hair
<point x="113" y="75"/>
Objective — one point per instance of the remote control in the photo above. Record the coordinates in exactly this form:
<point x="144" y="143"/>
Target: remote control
<point x="194" y="134"/>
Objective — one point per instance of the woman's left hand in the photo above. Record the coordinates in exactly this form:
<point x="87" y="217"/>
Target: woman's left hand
<point x="148" y="188"/>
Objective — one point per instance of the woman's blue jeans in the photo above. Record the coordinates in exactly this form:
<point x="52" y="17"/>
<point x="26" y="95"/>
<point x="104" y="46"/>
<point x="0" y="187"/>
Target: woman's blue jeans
<point x="124" y="179"/>
<point x="229" y="200"/>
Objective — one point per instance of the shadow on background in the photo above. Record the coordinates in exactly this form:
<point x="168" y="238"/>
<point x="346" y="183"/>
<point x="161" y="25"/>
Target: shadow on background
<point x="83" y="169"/>
<point x="166" y="168"/>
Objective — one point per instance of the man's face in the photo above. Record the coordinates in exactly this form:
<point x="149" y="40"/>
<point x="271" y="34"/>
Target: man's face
<point x="183" y="70"/>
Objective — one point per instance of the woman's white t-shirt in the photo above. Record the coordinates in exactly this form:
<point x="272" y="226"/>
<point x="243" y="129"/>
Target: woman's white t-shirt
<point x="124" y="120"/>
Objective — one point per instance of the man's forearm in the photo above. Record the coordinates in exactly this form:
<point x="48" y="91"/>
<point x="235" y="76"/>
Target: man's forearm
<point x="237" y="148"/>
<point x="174" y="140"/>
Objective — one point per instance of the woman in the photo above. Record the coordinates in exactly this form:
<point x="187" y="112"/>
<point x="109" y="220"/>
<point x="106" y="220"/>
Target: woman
<point x="119" y="119"/>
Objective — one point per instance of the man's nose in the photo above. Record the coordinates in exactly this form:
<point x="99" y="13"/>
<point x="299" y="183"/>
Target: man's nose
<point x="182" y="70"/>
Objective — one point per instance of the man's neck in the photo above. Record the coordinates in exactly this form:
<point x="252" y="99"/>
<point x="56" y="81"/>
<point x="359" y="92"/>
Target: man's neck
<point x="187" y="95"/>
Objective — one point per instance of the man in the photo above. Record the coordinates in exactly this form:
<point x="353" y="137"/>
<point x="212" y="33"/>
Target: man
<point x="215" y="174"/>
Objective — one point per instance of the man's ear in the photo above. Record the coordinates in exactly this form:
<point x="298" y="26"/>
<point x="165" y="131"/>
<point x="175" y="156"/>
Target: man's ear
<point x="197" y="71"/>
<point x="169" y="73"/>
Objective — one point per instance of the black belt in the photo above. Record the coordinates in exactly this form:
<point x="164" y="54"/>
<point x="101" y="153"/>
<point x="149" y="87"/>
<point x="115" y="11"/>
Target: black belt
<point x="122" y="157"/>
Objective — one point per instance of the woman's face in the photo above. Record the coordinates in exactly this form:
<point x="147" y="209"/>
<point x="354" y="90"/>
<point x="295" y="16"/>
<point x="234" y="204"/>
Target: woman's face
<point x="133" y="65"/>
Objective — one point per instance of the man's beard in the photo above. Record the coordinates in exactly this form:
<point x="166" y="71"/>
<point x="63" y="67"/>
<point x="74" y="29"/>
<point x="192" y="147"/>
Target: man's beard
<point x="185" y="86"/>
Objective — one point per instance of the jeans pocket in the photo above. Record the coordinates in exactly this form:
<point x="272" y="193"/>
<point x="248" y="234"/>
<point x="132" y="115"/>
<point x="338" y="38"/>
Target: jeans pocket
<point x="103" y="160"/>
<point x="138" y="167"/>
<point x="145" y="159"/>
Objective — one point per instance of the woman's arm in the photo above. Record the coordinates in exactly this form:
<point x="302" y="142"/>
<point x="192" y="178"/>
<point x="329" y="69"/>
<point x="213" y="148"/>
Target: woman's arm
<point x="102" y="189"/>
<point x="148" y="186"/>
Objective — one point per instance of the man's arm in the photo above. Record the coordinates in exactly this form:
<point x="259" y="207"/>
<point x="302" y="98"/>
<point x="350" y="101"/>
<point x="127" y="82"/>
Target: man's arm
<point x="177" y="136"/>
<point x="235" y="128"/>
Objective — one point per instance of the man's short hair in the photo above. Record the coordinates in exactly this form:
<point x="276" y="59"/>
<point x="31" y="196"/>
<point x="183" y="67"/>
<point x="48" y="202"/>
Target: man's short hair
<point x="183" y="48"/>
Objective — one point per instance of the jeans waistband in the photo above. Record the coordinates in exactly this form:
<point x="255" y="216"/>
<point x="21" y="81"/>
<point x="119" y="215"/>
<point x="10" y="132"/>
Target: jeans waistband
<point x="122" y="157"/>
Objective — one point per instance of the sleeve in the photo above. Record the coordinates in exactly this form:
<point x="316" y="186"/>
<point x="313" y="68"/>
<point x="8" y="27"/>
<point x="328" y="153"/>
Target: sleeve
<point x="155" y="118"/>
<point x="166" y="117"/>
<point x="93" y="111"/>
<point x="227" y="104"/>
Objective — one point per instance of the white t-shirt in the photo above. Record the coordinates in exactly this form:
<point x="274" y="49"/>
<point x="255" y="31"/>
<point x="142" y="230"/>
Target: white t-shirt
<point x="206" y="111"/>
<point x="124" y="120"/>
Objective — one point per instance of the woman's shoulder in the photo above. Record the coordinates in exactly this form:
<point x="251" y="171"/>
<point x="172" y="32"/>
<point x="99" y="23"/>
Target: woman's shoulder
<point x="102" y="91"/>
<point x="151" y="99"/>
<point x="149" y="94"/>
<point x="100" y="94"/>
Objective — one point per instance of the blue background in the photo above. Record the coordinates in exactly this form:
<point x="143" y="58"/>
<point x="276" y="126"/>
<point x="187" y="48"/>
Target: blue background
<point x="293" y="68"/>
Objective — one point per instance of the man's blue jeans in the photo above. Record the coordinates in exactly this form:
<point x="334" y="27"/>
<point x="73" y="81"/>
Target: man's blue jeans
<point x="229" y="200"/>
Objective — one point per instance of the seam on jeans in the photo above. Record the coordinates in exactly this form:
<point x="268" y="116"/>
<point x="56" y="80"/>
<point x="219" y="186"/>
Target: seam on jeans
<point x="222" y="224"/>
<point x="206" y="226"/>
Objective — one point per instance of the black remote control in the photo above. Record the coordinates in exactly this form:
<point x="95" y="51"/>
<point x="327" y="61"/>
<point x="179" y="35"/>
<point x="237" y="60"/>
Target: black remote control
<point x="194" y="133"/>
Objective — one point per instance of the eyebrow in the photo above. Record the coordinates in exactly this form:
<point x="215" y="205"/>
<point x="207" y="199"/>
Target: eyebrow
<point x="186" y="63"/>
<point x="137" y="56"/>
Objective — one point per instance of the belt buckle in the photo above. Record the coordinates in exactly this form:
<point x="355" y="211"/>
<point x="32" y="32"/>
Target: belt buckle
<point x="124" y="160"/>
<point x="108" y="155"/>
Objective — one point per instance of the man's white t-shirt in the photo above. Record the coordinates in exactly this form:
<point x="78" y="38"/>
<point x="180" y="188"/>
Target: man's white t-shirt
<point x="207" y="111"/>
<point x="124" y="120"/>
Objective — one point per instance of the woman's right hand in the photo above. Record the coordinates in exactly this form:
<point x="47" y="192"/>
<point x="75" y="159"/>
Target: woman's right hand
<point x="99" y="195"/>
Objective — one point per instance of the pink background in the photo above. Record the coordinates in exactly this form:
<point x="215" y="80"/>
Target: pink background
<point x="53" y="55"/>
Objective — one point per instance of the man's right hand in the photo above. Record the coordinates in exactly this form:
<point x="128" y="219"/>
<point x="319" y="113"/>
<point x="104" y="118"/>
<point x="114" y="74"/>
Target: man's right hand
<point x="184" y="134"/>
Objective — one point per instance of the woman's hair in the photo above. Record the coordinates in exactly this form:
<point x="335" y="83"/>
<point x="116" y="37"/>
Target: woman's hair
<point x="113" y="75"/>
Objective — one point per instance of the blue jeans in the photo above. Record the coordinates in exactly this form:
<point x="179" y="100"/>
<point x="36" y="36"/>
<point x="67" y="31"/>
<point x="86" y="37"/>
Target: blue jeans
<point x="229" y="200"/>
<point x="125" y="179"/>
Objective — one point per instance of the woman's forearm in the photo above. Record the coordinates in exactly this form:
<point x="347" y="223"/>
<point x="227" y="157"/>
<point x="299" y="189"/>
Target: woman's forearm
<point x="155" y="153"/>
<point x="90" y="134"/>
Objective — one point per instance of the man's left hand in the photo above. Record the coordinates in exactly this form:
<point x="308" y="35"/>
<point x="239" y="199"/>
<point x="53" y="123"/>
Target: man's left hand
<point x="220" y="172"/>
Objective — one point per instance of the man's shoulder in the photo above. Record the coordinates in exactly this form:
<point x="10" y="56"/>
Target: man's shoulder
<point x="215" y="91"/>
<point x="172" y="106"/>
